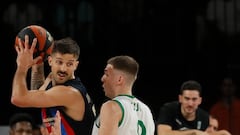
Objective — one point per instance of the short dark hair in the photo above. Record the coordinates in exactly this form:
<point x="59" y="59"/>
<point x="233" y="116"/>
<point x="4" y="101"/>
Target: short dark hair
<point x="66" y="46"/>
<point x="191" y="85"/>
<point x="19" y="117"/>
<point x="125" y="63"/>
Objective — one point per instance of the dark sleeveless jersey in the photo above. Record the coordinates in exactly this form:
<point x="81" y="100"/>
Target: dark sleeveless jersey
<point x="68" y="125"/>
<point x="170" y="114"/>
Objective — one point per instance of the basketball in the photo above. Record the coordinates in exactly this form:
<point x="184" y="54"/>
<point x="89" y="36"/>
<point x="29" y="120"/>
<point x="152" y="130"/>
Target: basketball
<point x="44" y="40"/>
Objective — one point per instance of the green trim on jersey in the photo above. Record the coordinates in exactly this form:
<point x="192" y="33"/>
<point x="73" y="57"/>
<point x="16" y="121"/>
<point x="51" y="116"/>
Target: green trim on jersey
<point x="121" y="106"/>
<point x="130" y="96"/>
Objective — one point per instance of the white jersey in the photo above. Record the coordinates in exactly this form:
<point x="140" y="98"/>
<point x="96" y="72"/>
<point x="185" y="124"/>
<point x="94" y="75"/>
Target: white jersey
<point x="137" y="118"/>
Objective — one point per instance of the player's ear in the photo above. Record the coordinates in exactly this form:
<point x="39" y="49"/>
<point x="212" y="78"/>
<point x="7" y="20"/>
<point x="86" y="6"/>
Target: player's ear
<point x="76" y="65"/>
<point x="200" y="100"/>
<point x="180" y="98"/>
<point x="50" y="60"/>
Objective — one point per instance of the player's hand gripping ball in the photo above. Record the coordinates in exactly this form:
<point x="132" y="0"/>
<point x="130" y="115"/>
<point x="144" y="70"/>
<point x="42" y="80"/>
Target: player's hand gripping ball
<point x="44" y="40"/>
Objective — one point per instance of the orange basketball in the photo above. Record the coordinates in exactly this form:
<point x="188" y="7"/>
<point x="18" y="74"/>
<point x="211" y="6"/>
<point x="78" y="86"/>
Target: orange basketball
<point x="44" y="40"/>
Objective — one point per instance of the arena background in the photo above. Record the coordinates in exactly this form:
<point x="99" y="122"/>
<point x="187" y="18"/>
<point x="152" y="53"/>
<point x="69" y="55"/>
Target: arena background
<point x="173" y="42"/>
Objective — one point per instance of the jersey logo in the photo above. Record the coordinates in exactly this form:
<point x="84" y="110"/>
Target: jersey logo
<point x="199" y="124"/>
<point x="178" y="121"/>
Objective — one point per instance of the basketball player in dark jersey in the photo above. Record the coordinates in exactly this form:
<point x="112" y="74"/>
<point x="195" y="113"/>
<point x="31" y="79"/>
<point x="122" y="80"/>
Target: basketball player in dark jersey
<point x="184" y="116"/>
<point x="61" y="90"/>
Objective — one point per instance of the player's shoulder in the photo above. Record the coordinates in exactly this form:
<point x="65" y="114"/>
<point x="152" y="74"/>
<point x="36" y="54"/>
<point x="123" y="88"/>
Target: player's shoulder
<point x="111" y="105"/>
<point x="203" y="112"/>
<point x="172" y="104"/>
<point x="66" y="91"/>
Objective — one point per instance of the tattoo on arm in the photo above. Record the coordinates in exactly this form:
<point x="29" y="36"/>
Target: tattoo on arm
<point x="37" y="77"/>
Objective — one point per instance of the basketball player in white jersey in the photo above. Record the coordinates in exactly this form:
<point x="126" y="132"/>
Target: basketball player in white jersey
<point x="123" y="114"/>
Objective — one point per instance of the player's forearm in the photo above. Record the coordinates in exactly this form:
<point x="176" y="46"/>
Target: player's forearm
<point x="37" y="76"/>
<point x="185" y="132"/>
<point x="193" y="132"/>
<point x="220" y="132"/>
<point x="19" y="86"/>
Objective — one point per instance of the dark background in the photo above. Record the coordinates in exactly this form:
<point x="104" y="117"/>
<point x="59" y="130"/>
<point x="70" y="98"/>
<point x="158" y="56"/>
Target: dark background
<point x="173" y="41"/>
